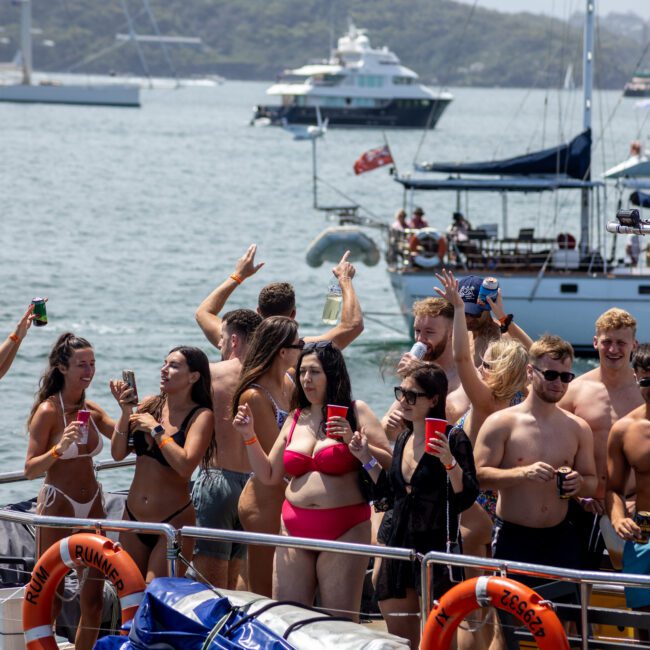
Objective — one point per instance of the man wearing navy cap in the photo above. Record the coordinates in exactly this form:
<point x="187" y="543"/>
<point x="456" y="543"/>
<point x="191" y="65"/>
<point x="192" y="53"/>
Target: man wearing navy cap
<point x="478" y="318"/>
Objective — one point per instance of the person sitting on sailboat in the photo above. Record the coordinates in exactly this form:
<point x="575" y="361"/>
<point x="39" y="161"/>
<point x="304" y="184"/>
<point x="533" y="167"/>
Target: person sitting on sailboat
<point x="400" y="221"/>
<point x="459" y="228"/>
<point x="418" y="221"/>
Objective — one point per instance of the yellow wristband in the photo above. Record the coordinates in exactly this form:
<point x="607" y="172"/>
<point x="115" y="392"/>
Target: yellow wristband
<point x="237" y="278"/>
<point x="55" y="453"/>
<point x="250" y="441"/>
<point x="166" y="441"/>
<point x="14" y="338"/>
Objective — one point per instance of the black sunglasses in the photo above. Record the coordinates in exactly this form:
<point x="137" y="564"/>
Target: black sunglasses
<point x="296" y="346"/>
<point x="317" y="345"/>
<point x="410" y="396"/>
<point x="644" y="382"/>
<point x="486" y="364"/>
<point x="552" y="375"/>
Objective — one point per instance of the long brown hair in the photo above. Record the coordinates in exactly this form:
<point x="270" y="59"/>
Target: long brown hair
<point x="269" y="338"/>
<point x="53" y="380"/>
<point x="201" y="393"/>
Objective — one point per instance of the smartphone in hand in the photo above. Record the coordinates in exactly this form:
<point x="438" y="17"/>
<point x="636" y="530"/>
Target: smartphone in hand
<point x="128" y="376"/>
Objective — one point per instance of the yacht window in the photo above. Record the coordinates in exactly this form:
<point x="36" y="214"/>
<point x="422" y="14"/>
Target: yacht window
<point x="402" y="81"/>
<point x="370" y="81"/>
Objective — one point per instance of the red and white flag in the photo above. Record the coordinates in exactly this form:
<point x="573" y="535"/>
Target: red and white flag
<point x="373" y="159"/>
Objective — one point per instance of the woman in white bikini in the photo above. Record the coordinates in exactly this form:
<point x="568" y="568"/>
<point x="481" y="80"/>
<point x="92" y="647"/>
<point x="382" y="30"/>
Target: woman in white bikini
<point x="62" y="450"/>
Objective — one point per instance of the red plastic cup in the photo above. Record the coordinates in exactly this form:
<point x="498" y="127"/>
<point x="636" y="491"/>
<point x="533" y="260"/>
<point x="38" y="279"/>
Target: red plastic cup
<point x="84" y="417"/>
<point x="334" y="410"/>
<point x="433" y="428"/>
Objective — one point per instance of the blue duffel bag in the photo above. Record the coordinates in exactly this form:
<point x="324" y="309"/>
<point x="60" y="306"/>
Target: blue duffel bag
<point x="181" y="614"/>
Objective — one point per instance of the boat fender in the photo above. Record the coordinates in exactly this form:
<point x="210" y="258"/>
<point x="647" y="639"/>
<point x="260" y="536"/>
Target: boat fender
<point x="333" y="242"/>
<point x="511" y="596"/>
<point x="81" y="549"/>
<point x="429" y="246"/>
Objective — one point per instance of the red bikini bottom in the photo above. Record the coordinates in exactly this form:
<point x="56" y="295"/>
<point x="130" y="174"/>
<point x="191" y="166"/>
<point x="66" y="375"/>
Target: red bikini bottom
<point x="323" y="523"/>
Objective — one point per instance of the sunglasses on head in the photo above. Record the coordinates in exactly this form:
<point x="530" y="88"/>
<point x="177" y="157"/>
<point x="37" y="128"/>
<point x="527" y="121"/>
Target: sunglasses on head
<point x="297" y="346"/>
<point x="552" y="375"/>
<point x="316" y="345"/>
<point x="644" y="382"/>
<point x="410" y="396"/>
<point x="486" y="364"/>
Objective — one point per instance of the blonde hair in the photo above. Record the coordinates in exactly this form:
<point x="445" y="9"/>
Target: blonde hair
<point x="433" y="307"/>
<point x="553" y="346"/>
<point x="508" y="361"/>
<point x="615" y="319"/>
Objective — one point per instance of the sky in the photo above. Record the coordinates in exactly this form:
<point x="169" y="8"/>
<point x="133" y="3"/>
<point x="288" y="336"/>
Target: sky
<point x="563" y="8"/>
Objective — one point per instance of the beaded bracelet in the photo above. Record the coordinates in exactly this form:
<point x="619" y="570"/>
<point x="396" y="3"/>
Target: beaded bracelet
<point x="164" y="442"/>
<point x="120" y="433"/>
<point x="250" y="441"/>
<point x="237" y="278"/>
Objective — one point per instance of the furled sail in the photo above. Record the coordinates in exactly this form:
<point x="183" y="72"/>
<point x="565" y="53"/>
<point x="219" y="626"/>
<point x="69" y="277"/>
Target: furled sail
<point x="572" y="160"/>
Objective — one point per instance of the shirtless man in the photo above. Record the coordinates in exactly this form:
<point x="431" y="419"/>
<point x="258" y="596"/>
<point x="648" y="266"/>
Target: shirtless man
<point x="518" y="452"/>
<point x="217" y="489"/>
<point x="628" y="448"/>
<point x="601" y="397"/>
<point x="434" y="319"/>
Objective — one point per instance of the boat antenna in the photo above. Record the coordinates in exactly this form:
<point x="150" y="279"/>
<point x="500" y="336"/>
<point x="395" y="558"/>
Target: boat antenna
<point x="587" y="84"/>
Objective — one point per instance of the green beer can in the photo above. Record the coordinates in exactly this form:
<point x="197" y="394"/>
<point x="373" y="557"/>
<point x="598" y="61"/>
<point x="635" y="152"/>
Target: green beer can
<point x="40" y="312"/>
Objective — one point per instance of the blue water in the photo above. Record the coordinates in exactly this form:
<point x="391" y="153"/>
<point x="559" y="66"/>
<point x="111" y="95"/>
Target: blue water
<point x="127" y="219"/>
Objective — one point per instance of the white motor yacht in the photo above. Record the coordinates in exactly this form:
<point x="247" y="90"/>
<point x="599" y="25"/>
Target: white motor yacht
<point x="358" y="86"/>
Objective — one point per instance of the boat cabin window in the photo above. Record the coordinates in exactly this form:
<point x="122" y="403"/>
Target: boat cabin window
<point x="402" y="81"/>
<point x="370" y="81"/>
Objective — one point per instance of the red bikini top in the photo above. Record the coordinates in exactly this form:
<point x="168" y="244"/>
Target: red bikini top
<point x="335" y="459"/>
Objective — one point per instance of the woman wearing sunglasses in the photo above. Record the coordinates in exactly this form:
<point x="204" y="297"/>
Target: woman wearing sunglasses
<point x="429" y="487"/>
<point x="323" y="498"/>
<point x="265" y="387"/>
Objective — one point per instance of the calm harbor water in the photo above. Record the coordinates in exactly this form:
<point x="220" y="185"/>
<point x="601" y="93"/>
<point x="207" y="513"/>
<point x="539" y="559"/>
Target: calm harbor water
<point x="126" y="219"/>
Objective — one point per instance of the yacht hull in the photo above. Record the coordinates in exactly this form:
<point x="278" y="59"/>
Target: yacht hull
<point x="390" y="116"/>
<point x="107" y="95"/>
<point x="563" y="304"/>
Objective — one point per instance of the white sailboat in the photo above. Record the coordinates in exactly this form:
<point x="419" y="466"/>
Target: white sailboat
<point x="127" y="95"/>
<point x="551" y="284"/>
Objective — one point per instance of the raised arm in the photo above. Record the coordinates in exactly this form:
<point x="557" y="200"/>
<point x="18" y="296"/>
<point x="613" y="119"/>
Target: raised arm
<point x="618" y="472"/>
<point x="207" y="313"/>
<point x="351" y="323"/>
<point x="9" y="347"/>
<point x="123" y="394"/>
<point x="475" y="388"/>
<point x="513" y="330"/>
<point x="268" y="468"/>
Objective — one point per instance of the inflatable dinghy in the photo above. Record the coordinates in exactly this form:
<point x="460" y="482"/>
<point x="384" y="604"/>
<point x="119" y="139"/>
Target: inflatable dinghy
<point x="332" y="243"/>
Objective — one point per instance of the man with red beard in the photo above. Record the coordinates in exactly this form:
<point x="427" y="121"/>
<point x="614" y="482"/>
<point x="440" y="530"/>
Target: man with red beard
<point x="518" y="452"/>
<point x="601" y="397"/>
<point x="434" y="319"/>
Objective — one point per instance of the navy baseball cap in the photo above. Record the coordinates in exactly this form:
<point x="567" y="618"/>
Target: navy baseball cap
<point x="468" y="288"/>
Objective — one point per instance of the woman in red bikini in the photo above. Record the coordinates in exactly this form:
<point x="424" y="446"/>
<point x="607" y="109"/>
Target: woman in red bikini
<point x="323" y="499"/>
<point x="170" y="433"/>
<point x="63" y="452"/>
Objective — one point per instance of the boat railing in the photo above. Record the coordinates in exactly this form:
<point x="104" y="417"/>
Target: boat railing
<point x="101" y="465"/>
<point x="608" y="580"/>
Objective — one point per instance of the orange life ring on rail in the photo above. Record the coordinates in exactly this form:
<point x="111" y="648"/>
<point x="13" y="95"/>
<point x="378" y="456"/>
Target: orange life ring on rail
<point x="82" y="549"/>
<point x="503" y="593"/>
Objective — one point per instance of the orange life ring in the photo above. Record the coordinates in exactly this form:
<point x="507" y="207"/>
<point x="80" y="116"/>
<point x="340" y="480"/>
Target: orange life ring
<point x="82" y="549"/>
<point x="503" y="593"/>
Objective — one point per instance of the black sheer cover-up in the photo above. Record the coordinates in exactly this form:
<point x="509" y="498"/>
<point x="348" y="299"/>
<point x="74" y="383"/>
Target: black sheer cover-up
<point x="418" y="518"/>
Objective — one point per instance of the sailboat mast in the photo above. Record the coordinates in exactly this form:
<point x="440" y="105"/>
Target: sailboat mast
<point x="26" y="40"/>
<point x="587" y="86"/>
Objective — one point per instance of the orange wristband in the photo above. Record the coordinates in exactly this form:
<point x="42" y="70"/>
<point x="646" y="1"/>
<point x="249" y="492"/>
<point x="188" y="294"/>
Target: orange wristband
<point x="14" y="338"/>
<point x="251" y="441"/>
<point x="55" y="453"/>
<point x="166" y="441"/>
<point x="237" y="278"/>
